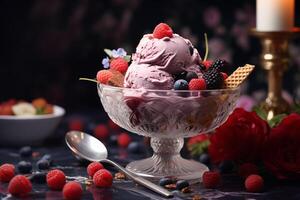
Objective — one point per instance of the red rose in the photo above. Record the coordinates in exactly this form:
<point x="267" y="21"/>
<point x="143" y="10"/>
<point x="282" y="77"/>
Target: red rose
<point x="240" y="138"/>
<point x="282" y="150"/>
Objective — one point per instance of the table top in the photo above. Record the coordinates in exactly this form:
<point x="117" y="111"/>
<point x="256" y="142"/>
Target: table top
<point x="231" y="188"/>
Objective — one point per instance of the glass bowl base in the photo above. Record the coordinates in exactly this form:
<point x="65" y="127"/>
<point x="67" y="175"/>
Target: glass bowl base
<point x="157" y="167"/>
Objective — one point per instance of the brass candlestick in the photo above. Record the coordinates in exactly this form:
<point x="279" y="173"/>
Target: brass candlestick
<point x="275" y="59"/>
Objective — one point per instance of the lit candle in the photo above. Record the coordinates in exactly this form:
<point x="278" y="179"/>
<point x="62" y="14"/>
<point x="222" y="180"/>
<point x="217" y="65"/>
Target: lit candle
<point x="275" y="15"/>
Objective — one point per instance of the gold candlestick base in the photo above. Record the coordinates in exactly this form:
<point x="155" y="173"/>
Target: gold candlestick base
<point x="275" y="59"/>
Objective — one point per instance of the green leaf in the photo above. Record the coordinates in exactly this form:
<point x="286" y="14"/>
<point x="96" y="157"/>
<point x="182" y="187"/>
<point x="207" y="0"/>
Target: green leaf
<point x="127" y="58"/>
<point x="276" y="120"/>
<point x="260" y="112"/>
<point x="40" y="111"/>
<point x="296" y="108"/>
<point x="199" y="148"/>
<point x="108" y="52"/>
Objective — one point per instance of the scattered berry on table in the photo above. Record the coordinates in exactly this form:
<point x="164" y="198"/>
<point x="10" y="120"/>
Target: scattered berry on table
<point x="204" y="158"/>
<point x="254" y="183"/>
<point x="56" y="179"/>
<point x="211" y="179"/>
<point x="39" y="177"/>
<point x="124" y="140"/>
<point x="24" y="167"/>
<point x="43" y="164"/>
<point x="219" y="64"/>
<point x="101" y="131"/>
<point x="135" y="147"/>
<point x="166" y="181"/>
<point x="225" y="76"/>
<point x="76" y="125"/>
<point x="103" y="76"/>
<point x="190" y="75"/>
<point x="162" y="30"/>
<point x="119" y="64"/>
<point x="213" y="79"/>
<point x="93" y="167"/>
<point x="19" y="186"/>
<point x="181" y="84"/>
<point x="181" y="184"/>
<point x="197" y="84"/>
<point x="113" y="139"/>
<point x="72" y="190"/>
<point x="47" y="157"/>
<point x="246" y="169"/>
<point x="103" y="178"/>
<point x="7" y="172"/>
<point x="25" y="151"/>
<point x="226" y="166"/>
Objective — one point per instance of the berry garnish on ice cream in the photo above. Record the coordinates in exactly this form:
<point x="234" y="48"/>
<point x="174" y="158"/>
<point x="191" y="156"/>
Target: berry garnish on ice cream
<point x="163" y="60"/>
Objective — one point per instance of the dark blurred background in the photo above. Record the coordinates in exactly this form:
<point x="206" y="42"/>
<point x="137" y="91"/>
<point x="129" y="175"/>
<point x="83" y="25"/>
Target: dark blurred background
<point x="46" y="45"/>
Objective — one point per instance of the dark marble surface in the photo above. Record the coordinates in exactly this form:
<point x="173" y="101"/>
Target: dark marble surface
<point x="232" y="187"/>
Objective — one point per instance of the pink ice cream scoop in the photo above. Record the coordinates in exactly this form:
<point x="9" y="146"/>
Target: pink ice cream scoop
<point x="147" y="76"/>
<point x="157" y="61"/>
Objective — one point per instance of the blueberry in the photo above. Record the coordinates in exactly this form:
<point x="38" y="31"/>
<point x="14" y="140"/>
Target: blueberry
<point x="181" y="184"/>
<point x="226" y="166"/>
<point x="190" y="75"/>
<point x="204" y="158"/>
<point x="24" y="167"/>
<point x="39" y="177"/>
<point x="43" y="164"/>
<point x="47" y="157"/>
<point x="181" y="85"/>
<point x="113" y="140"/>
<point x="166" y="181"/>
<point x="134" y="147"/>
<point x="25" y="151"/>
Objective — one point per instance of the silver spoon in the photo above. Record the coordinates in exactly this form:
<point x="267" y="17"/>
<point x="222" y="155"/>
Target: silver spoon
<point x="89" y="148"/>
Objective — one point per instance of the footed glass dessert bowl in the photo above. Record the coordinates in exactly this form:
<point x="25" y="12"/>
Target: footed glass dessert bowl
<point x="167" y="117"/>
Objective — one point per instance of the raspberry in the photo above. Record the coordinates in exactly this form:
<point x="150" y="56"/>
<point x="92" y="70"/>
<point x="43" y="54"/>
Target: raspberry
<point x="93" y="168"/>
<point x="72" y="190"/>
<point x="246" y="169"/>
<point x="254" y="183"/>
<point x="124" y="140"/>
<point x="197" y="84"/>
<point x="6" y="109"/>
<point x="7" y="172"/>
<point x="162" y="30"/>
<point x="225" y="76"/>
<point x="19" y="186"/>
<point x="119" y="64"/>
<point x="101" y="131"/>
<point x="103" y="178"/>
<point x="211" y="179"/>
<point x="76" y="124"/>
<point x="207" y="64"/>
<point x="103" y="76"/>
<point x="56" y="179"/>
<point x="213" y="79"/>
<point x="112" y="125"/>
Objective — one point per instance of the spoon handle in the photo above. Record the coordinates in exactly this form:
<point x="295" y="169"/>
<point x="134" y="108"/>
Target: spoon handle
<point x="148" y="184"/>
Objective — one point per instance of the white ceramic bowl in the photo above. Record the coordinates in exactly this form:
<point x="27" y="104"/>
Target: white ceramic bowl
<point x="28" y="130"/>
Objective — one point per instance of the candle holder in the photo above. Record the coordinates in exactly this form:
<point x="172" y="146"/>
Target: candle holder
<point x="275" y="59"/>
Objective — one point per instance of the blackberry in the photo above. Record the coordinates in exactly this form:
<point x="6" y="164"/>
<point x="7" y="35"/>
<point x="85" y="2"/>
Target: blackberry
<point x="219" y="64"/>
<point x="213" y="79"/>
